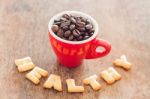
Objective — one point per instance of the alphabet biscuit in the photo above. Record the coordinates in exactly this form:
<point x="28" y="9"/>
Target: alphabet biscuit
<point x="72" y="87"/>
<point x="31" y="76"/>
<point x="110" y="75"/>
<point x="53" y="81"/>
<point x="41" y="71"/>
<point x="122" y="62"/>
<point x="24" y="64"/>
<point x="92" y="80"/>
<point x="35" y="75"/>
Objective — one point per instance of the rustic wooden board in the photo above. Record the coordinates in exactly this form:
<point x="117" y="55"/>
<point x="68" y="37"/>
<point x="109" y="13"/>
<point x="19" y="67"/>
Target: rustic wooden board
<point x="23" y="32"/>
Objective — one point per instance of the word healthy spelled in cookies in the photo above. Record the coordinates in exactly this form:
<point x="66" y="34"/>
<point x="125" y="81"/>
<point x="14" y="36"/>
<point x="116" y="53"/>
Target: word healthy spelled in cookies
<point x="109" y="75"/>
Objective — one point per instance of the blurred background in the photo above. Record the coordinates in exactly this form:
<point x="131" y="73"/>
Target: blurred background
<point x="23" y="32"/>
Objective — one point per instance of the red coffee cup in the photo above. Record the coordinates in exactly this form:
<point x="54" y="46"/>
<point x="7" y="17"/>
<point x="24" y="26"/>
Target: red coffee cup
<point x="72" y="53"/>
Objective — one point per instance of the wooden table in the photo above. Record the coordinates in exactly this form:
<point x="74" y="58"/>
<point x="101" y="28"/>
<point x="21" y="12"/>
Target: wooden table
<point x="23" y="32"/>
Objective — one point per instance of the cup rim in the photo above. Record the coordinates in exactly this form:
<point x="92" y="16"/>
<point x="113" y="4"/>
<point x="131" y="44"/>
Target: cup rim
<point x="73" y="13"/>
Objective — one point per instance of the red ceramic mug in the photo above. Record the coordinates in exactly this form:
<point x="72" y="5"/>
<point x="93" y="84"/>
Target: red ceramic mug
<point x="72" y="53"/>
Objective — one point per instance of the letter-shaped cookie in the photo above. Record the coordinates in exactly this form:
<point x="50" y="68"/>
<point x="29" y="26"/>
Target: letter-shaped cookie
<point x="41" y="71"/>
<point x="92" y="80"/>
<point x="36" y="74"/>
<point x="24" y="64"/>
<point x="110" y="75"/>
<point x="122" y="62"/>
<point x="53" y="81"/>
<point x="72" y="87"/>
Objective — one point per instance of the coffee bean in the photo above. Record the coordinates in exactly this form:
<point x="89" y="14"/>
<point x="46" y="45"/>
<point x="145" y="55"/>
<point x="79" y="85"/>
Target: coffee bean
<point x="76" y="33"/>
<point x="63" y="19"/>
<point x="60" y="33"/>
<point x="82" y="33"/>
<point x="72" y="27"/>
<point x="75" y="39"/>
<point x="57" y="23"/>
<point x="83" y="19"/>
<point x="67" y="33"/>
<point x="68" y="22"/>
<point x="90" y="34"/>
<point x="55" y="28"/>
<point x="80" y="24"/>
<point x="91" y="30"/>
<point x="78" y="18"/>
<point x="72" y="20"/>
<point x="65" y="28"/>
<point x="70" y="38"/>
<point x="64" y="24"/>
<point x="86" y="37"/>
<point x="89" y="27"/>
<point x="56" y="20"/>
<point x="66" y="16"/>
<point x="60" y="30"/>
<point x="86" y="34"/>
<point x="64" y="38"/>
<point x="79" y="38"/>
<point x="88" y="21"/>
<point x="81" y="29"/>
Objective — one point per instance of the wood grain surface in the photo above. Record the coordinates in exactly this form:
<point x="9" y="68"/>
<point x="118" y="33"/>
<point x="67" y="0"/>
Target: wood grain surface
<point x="23" y="32"/>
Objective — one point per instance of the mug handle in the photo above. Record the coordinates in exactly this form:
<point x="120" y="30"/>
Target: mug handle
<point x="92" y="53"/>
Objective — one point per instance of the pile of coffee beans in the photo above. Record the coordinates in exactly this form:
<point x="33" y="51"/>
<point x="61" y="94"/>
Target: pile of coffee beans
<point x="73" y="28"/>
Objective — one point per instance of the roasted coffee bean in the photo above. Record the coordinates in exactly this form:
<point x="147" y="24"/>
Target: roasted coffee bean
<point x="70" y="38"/>
<point x="63" y="19"/>
<point x="76" y="33"/>
<point x="57" y="23"/>
<point x="83" y="19"/>
<point x="88" y="21"/>
<point x="67" y="33"/>
<point x="88" y="26"/>
<point x="91" y="30"/>
<point x="78" y="18"/>
<point x="72" y="20"/>
<point x="60" y="30"/>
<point x="68" y="23"/>
<point x="82" y="33"/>
<point x="72" y="27"/>
<point x="85" y="37"/>
<point x="66" y="16"/>
<point x="80" y="24"/>
<point x="64" y="38"/>
<point x="75" y="39"/>
<point x="64" y="24"/>
<point x="86" y="34"/>
<point x="60" y="34"/>
<point x="81" y="29"/>
<point x="65" y="27"/>
<point x="55" y="28"/>
<point x="90" y="34"/>
<point x="79" y="38"/>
